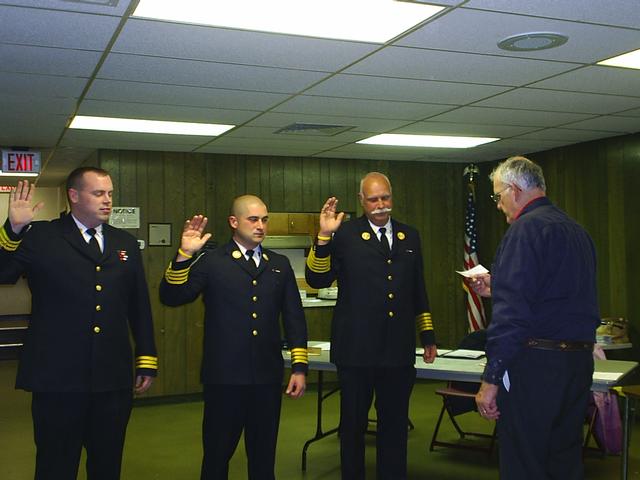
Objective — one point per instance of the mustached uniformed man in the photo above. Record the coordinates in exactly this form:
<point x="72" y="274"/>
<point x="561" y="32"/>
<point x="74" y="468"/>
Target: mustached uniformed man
<point x="246" y="288"/>
<point x="377" y="262"/>
<point x="88" y="294"/>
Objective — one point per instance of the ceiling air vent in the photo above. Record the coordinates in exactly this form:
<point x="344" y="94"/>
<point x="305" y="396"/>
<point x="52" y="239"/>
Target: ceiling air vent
<point x="314" y="129"/>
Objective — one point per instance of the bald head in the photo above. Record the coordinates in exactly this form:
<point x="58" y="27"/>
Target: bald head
<point x="241" y="204"/>
<point x="248" y="220"/>
<point x="374" y="177"/>
<point x="375" y="198"/>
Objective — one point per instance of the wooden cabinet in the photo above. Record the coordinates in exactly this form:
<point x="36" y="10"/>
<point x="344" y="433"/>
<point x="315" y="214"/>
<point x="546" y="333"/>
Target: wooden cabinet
<point x="292" y="223"/>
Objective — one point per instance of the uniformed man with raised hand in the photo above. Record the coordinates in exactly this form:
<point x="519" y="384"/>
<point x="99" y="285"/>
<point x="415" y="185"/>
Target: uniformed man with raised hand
<point x="377" y="262"/>
<point x="246" y="288"/>
<point x="88" y="295"/>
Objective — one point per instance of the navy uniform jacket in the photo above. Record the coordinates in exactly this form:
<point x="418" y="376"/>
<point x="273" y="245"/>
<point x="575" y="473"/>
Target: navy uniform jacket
<point x="380" y="298"/>
<point x="543" y="285"/>
<point x="242" y="337"/>
<point x="83" y="308"/>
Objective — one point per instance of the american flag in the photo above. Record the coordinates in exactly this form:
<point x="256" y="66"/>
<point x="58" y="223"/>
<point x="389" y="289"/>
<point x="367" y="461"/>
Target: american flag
<point x="475" y="309"/>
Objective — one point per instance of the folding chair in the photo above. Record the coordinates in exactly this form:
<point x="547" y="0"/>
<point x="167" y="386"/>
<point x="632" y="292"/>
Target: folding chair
<point x="459" y="398"/>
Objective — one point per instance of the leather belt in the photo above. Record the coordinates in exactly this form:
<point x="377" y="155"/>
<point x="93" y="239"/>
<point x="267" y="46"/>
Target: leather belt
<point x="560" y="345"/>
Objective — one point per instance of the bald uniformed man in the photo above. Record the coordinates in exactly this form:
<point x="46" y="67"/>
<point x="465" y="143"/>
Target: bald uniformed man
<point x="246" y="289"/>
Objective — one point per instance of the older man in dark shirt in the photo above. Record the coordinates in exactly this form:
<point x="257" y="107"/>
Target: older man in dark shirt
<point x="540" y="340"/>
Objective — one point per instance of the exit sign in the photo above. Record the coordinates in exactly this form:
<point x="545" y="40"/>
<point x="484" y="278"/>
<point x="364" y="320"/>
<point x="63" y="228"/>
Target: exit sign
<point x="20" y="162"/>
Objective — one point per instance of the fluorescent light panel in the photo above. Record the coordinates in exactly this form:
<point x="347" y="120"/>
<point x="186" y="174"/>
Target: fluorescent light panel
<point x="627" y="60"/>
<point x="434" y="141"/>
<point x="148" y="126"/>
<point x="362" y="20"/>
<point x="2" y="174"/>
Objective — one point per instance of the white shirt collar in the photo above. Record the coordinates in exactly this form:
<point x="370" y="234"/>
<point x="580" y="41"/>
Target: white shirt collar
<point x="257" y="250"/>
<point x="83" y="228"/>
<point x="376" y="228"/>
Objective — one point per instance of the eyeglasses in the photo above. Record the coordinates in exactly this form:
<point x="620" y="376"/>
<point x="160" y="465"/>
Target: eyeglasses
<point x="496" y="196"/>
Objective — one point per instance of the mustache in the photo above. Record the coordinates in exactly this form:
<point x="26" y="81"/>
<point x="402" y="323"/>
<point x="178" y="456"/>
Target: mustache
<point x="381" y="210"/>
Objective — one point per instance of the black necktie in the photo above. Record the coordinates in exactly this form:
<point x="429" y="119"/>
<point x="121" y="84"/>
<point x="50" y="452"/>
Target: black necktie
<point x="94" y="246"/>
<point x="250" y="261"/>
<point x="384" y="240"/>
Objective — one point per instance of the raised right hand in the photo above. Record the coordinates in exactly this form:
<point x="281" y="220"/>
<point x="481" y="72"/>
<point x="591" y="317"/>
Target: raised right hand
<point x="21" y="210"/>
<point x="192" y="238"/>
<point x="330" y="220"/>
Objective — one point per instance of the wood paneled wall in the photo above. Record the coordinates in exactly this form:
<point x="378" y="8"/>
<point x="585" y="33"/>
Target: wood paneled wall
<point x="598" y="183"/>
<point x="170" y="187"/>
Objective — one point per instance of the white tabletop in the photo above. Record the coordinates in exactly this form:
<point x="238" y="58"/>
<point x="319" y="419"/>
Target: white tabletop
<point x="607" y="374"/>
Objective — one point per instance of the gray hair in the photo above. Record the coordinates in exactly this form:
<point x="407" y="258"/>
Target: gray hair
<point x="520" y="171"/>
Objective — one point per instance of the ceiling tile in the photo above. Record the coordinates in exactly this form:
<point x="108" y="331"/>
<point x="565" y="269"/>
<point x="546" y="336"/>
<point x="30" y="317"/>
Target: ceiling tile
<point x="48" y="61"/>
<point x="622" y="13"/>
<point x="423" y="64"/>
<point x="194" y="42"/>
<point x="245" y="148"/>
<point x="385" y="88"/>
<point x="104" y="7"/>
<point x="21" y="105"/>
<point x="610" y="123"/>
<point x="164" y="112"/>
<point x="206" y="74"/>
<point x="31" y="129"/>
<point x="41" y="85"/>
<point x="506" y="116"/>
<point x="596" y="79"/>
<point x="360" y="108"/>
<point x="51" y="28"/>
<point x="126" y="140"/>
<point x="463" y="129"/>
<point x="584" y="44"/>
<point x="566" y="135"/>
<point x="554" y="101"/>
<point x="179" y="95"/>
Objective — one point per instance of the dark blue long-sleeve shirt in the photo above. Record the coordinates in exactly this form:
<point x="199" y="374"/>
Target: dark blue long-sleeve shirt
<point x="543" y="285"/>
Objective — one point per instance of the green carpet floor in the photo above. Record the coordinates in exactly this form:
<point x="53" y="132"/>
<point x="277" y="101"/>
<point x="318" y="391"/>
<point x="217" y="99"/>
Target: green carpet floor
<point x="163" y="442"/>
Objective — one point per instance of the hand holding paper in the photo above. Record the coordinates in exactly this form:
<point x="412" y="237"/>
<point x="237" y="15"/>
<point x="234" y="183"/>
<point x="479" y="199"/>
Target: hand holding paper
<point x="479" y="279"/>
<point x="473" y="272"/>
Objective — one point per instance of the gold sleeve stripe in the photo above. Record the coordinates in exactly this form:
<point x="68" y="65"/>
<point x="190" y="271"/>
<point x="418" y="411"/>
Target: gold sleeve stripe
<point x="299" y="355"/>
<point x="147" y="362"/>
<point x="318" y="265"/>
<point x="424" y="322"/>
<point x="176" y="277"/>
<point x="6" y="243"/>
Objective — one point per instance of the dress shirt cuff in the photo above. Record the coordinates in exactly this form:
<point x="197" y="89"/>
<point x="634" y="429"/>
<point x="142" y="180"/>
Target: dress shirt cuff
<point x="300" y="368"/>
<point x="322" y="251"/>
<point x="427" y="337"/>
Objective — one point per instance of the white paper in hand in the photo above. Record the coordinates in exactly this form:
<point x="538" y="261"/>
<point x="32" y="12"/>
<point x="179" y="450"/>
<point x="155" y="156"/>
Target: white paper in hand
<point x="473" y="272"/>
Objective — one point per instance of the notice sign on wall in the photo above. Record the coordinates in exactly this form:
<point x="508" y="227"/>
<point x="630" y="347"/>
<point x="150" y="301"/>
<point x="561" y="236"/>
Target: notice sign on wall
<point x="125" y="217"/>
<point x="20" y="162"/>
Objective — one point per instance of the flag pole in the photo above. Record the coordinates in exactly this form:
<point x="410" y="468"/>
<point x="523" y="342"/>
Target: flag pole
<point x="475" y="309"/>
